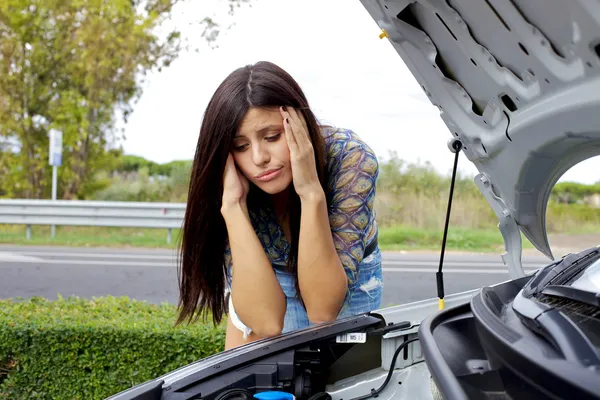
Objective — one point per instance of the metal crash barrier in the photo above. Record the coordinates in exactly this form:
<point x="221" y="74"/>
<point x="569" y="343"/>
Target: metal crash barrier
<point x="92" y="213"/>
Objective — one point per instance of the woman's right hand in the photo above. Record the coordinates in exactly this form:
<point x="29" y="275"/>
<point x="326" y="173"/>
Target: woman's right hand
<point x="235" y="185"/>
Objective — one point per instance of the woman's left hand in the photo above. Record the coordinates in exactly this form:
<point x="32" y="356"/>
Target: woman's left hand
<point x="302" y="156"/>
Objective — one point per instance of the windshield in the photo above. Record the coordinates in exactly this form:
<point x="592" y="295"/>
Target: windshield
<point x="588" y="279"/>
<point x="571" y="288"/>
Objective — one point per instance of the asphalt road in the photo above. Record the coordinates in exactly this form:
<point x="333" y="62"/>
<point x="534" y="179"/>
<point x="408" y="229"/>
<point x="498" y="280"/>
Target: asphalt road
<point x="151" y="275"/>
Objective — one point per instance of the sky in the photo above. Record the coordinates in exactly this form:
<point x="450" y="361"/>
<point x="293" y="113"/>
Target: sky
<point x="351" y="78"/>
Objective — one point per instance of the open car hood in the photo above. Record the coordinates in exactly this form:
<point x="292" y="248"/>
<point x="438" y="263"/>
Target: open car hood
<point x="517" y="82"/>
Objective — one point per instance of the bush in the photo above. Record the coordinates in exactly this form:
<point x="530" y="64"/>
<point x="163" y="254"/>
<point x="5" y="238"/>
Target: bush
<point x="90" y="349"/>
<point x="575" y="218"/>
<point x="171" y="185"/>
<point x="415" y="195"/>
<point x="573" y="192"/>
<point x="141" y="187"/>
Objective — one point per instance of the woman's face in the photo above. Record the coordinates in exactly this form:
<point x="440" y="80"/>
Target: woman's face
<point x="261" y="152"/>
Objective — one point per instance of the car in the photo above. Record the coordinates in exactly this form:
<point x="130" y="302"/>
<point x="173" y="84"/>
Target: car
<point x="517" y="83"/>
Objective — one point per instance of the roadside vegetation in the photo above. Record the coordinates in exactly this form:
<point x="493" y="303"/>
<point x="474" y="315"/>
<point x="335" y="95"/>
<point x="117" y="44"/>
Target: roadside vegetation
<point x="78" y="67"/>
<point x="74" y="348"/>
<point x="411" y="205"/>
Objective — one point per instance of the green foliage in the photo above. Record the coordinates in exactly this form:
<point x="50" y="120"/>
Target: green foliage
<point x="76" y="66"/>
<point x="138" y="187"/>
<point x="81" y="349"/>
<point x="404" y="237"/>
<point x="398" y="177"/>
<point x="168" y="183"/>
<point x="572" y="218"/>
<point x="573" y="192"/>
<point x="70" y="65"/>
<point x="130" y="163"/>
<point x="138" y="179"/>
<point x="179" y="180"/>
<point x="415" y="195"/>
<point x="408" y="194"/>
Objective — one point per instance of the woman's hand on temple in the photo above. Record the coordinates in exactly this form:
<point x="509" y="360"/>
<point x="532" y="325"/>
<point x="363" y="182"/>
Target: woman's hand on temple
<point x="235" y="186"/>
<point x="302" y="156"/>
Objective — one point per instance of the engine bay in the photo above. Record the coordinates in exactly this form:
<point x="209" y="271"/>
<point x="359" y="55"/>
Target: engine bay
<point x="309" y="364"/>
<point x="303" y="371"/>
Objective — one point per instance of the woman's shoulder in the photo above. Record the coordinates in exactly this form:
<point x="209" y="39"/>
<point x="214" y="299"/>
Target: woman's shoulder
<point x="340" y="134"/>
<point x="345" y="148"/>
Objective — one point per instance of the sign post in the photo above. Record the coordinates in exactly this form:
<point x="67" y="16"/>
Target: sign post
<point x="55" y="159"/>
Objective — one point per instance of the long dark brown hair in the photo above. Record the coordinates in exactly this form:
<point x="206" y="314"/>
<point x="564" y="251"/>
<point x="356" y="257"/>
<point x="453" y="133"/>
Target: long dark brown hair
<point x="201" y="271"/>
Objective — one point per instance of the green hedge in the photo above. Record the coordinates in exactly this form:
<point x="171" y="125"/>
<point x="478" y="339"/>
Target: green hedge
<point x="574" y="191"/>
<point x="90" y="349"/>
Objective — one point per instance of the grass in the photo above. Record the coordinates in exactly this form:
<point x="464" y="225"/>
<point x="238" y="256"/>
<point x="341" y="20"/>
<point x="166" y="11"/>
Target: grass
<point x="390" y="238"/>
<point x="89" y="236"/>
<point x="405" y="238"/>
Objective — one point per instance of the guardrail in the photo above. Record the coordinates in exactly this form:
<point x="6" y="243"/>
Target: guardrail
<point x="92" y="213"/>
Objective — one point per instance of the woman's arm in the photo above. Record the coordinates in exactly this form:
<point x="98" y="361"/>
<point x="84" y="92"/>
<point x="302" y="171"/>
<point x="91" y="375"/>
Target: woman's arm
<point x="235" y="338"/>
<point x="257" y="296"/>
<point x="255" y="291"/>
<point x="332" y="237"/>
<point x="322" y="279"/>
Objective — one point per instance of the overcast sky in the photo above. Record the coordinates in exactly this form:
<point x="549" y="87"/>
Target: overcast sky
<point x="331" y="47"/>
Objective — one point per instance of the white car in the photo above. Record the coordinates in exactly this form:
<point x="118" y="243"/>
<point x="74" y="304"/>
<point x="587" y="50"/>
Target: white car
<point x="517" y="83"/>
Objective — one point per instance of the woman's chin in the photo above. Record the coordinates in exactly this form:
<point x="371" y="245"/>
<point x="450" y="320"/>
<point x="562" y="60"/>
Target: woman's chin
<point x="274" y="187"/>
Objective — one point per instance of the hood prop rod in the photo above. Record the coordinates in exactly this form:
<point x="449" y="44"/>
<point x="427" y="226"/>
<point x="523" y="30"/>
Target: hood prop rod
<point x="455" y="146"/>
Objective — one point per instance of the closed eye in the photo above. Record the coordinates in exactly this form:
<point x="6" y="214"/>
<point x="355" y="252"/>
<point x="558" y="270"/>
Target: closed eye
<point x="241" y="147"/>
<point x="244" y="146"/>
<point x="273" y="138"/>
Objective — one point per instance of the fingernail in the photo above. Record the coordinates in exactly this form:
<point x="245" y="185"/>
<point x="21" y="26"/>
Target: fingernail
<point x="283" y="108"/>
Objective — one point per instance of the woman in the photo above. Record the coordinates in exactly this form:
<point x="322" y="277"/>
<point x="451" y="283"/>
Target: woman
<point x="279" y="230"/>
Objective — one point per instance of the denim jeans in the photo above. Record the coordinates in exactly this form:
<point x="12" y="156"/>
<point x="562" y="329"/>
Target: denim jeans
<point x="362" y="296"/>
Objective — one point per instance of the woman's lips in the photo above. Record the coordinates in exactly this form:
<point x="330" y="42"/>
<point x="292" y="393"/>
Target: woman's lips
<point x="269" y="175"/>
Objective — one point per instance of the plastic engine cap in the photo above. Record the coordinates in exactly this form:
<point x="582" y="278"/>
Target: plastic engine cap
<point x="274" y="395"/>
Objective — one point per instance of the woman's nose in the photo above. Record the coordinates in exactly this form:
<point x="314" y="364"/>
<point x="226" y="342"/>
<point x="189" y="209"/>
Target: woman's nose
<point x="260" y="156"/>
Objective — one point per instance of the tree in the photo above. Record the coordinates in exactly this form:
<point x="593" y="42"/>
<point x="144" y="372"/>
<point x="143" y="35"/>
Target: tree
<point x="74" y="66"/>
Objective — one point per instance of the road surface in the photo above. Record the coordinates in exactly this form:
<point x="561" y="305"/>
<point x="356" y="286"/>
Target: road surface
<point x="151" y="275"/>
